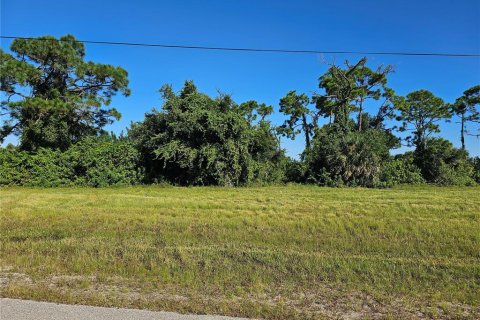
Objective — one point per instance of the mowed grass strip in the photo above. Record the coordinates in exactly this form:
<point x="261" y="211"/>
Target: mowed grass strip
<point x="272" y="252"/>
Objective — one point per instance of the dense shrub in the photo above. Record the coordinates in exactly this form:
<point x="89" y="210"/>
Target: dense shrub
<point x="440" y="162"/>
<point x="56" y="104"/>
<point x="269" y="160"/>
<point x="295" y="171"/>
<point x="105" y="161"/>
<point x="93" y="162"/>
<point x="198" y="140"/>
<point x="401" y="170"/>
<point x="347" y="158"/>
<point x="45" y="168"/>
<point x="476" y="168"/>
<point x="460" y="174"/>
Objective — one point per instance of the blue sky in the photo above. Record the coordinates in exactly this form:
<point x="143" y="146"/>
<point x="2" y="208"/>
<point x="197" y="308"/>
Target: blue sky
<point x="433" y="26"/>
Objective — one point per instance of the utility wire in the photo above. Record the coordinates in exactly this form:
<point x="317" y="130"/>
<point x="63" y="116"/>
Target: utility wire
<point x="159" y="45"/>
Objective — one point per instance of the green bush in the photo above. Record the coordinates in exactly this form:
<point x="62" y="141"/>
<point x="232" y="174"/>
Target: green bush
<point x="104" y="161"/>
<point x="92" y="162"/>
<point x="476" y="169"/>
<point x="347" y="158"/>
<point x="401" y="170"/>
<point x="295" y="171"/>
<point x="442" y="163"/>
<point x="45" y="168"/>
<point x="199" y="140"/>
<point x="460" y="174"/>
<point x="11" y="161"/>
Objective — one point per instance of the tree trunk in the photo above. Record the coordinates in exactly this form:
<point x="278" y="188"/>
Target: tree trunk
<point x="462" y="131"/>
<point x="420" y="141"/>
<point x="360" y="115"/>
<point x="307" y="131"/>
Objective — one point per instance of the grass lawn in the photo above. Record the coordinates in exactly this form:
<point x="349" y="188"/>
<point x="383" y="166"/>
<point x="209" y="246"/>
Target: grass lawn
<point x="270" y="252"/>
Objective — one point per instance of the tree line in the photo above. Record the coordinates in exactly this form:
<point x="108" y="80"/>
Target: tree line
<point x="57" y="104"/>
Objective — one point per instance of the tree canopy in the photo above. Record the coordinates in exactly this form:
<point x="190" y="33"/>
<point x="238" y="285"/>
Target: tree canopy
<point x="58" y="104"/>
<point x="199" y="140"/>
<point x="467" y="108"/>
<point x="420" y="111"/>
<point x="53" y="97"/>
<point x="346" y="90"/>
<point x="301" y="118"/>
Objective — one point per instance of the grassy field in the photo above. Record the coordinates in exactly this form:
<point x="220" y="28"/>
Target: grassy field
<point x="270" y="252"/>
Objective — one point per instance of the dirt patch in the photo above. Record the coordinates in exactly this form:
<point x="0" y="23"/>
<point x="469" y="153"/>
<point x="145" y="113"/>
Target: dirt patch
<point x="323" y="302"/>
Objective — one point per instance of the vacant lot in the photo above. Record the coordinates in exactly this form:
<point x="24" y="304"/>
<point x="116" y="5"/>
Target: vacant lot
<point x="273" y="252"/>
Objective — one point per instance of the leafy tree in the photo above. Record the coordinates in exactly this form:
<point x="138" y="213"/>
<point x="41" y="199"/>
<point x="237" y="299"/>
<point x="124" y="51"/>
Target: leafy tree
<point x="54" y="98"/>
<point x="368" y="84"/>
<point x="347" y="90"/>
<point x="301" y="118"/>
<point x="252" y="110"/>
<point x="198" y="140"/>
<point x="465" y="107"/>
<point x="342" y="152"/>
<point x="57" y="103"/>
<point x="420" y="113"/>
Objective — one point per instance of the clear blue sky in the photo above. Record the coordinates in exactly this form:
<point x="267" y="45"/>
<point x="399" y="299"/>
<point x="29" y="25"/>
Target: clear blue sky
<point x="433" y="25"/>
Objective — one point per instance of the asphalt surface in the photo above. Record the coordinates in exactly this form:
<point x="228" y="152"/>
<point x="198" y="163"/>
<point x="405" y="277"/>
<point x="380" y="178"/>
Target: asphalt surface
<point x="13" y="309"/>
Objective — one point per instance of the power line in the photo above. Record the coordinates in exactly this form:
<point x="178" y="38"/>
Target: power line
<point x="159" y="45"/>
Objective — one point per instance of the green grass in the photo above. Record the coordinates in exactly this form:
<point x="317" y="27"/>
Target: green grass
<point x="270" y="252"/>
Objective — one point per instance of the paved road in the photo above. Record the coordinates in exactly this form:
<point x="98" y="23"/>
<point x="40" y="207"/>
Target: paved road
<point x="12" y="309"/>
